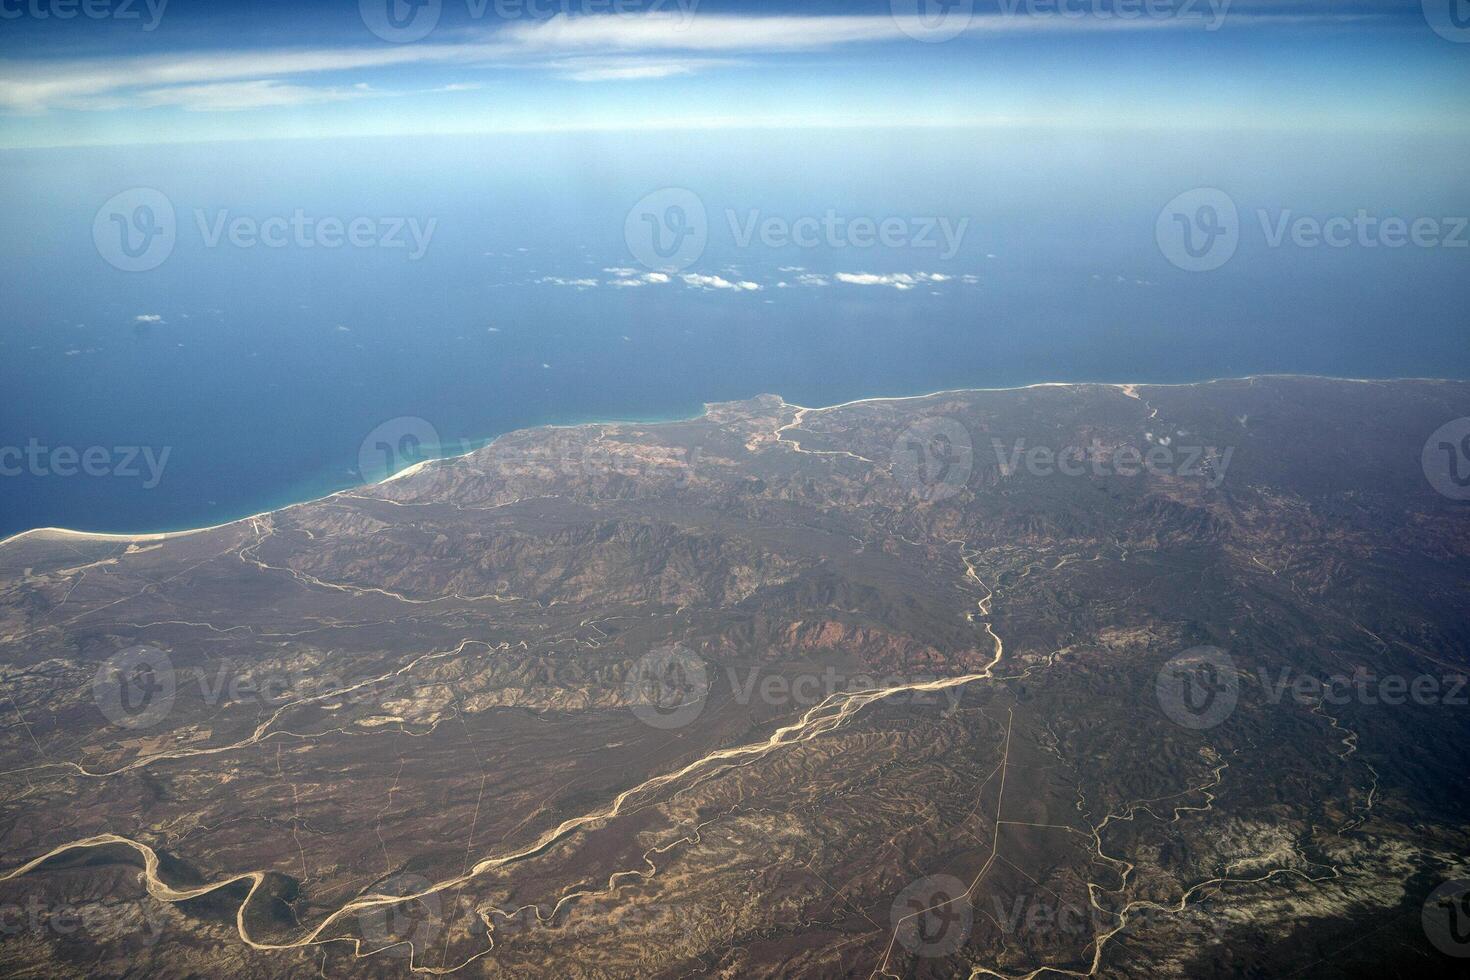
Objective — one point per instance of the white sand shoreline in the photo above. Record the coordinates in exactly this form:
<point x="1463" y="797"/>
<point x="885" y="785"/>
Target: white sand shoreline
<point x="1128" y="387"/>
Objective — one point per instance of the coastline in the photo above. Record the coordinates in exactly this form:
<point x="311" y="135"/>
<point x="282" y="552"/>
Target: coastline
<point x="1129" y="388"/>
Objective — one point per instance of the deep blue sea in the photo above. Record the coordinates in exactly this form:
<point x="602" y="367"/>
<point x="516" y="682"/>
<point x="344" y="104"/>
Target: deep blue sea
<point x="261" y="369"/>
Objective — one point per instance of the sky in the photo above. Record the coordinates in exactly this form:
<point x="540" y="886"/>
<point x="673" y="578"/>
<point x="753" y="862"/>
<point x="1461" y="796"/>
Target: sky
<point x="100" y="72"/>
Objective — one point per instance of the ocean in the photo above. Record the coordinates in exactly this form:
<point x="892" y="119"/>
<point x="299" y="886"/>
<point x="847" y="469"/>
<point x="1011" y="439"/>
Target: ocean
<point x="317" y="293"/>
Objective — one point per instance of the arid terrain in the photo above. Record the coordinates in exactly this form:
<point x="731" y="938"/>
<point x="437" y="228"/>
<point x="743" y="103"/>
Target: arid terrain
<point x="1070" y="680"/>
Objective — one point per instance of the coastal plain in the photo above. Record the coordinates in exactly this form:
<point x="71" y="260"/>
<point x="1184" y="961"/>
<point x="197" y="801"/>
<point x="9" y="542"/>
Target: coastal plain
<point x="874" y="690"/>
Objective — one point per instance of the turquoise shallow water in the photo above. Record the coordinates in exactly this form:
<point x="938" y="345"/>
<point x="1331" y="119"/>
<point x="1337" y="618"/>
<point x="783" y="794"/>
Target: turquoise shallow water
<point x="262" y="371"/>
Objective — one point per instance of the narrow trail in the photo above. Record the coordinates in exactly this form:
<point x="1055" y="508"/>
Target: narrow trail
<point x="262" y="731"/>
<point x="795" y="446"/>
<point x="313" y="581"/>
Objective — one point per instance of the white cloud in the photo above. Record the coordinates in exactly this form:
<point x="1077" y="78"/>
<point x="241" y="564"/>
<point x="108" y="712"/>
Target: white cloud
<point x="717" y="282"/>
<point x="627" y="73"/>
<point x="110" y="82"/>
<point x="103" y="83"/>
<point x="629" y="278"/>
<point x="628" y="69"/>
<point x="608" y="47"/>
<point x="235" y="96"/>
<point x="575" y="283"/>
<point x="901" y="280"/>
<point x="897" y="280"/>
<point x="705" y="32"/>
